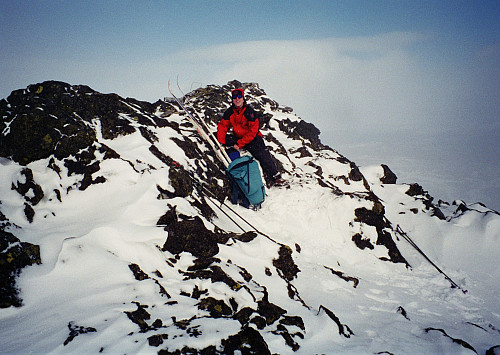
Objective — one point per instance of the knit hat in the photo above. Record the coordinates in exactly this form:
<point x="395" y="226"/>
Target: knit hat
<point x="242" y="92"/>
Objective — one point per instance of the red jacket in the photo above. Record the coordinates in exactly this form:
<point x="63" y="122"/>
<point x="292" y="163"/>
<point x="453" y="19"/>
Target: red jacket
<point x="244" y="122"/>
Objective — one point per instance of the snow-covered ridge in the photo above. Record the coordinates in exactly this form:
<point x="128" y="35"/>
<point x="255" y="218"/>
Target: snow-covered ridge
<point x="139" y="255"/>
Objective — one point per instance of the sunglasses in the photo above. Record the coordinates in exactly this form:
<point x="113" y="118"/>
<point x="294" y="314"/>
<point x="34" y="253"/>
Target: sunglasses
<point x="237" y="95"/>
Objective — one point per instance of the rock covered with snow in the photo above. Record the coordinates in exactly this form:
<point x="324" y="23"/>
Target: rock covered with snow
<point x="141" y="251"/>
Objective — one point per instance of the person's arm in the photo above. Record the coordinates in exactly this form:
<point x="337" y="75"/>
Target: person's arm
<point x="223" y="126"/>
<point x="253" y="125"/>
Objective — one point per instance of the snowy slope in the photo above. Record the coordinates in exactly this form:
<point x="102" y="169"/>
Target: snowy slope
<point x="109" y="282"/>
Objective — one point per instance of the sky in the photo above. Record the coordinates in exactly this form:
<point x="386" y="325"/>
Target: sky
<point x="411" y="84"/>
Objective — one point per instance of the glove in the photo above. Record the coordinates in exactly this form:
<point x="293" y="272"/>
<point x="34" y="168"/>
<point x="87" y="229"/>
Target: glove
<point x="230" y="140"/>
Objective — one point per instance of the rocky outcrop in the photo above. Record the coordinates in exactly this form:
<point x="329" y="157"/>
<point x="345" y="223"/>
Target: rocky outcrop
<point x="14" y="256"/>
<point x="389" y="177"/>
<point x="417" y="191"/>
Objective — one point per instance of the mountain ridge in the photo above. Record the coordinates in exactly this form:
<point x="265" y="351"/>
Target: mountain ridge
<point x="62" y="143"/>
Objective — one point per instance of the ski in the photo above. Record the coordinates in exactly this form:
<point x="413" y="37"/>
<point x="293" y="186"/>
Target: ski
<point x="207" y="129"/>
<point x="203" y="132"/>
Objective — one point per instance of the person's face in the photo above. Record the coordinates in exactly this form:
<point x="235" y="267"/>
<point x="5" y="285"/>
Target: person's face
<point x="238" y="99"/>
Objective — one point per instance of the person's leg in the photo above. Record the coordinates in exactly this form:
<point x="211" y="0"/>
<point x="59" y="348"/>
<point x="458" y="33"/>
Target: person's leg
<point x="259" y="151"/>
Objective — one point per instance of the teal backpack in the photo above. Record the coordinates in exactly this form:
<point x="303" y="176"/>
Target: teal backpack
<point x="245" y="173"/>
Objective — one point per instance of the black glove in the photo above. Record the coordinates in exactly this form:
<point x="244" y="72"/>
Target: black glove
<point x="231" y="140"/>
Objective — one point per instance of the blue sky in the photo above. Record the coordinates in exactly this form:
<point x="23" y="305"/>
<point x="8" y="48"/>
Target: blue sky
<point x="106" y="35"/>
<point x="109" y="33"/>
<point x="372" y="75"/>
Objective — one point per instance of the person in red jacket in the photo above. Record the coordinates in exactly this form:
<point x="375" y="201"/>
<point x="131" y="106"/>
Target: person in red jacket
<point x="245" y="134"/>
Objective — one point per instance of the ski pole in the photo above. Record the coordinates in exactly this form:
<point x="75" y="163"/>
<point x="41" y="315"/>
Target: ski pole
<point x="412" y="243"/>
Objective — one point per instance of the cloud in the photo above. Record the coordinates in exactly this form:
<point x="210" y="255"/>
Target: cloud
<point x="369" y="85"/>
<point x="366" y="83"/>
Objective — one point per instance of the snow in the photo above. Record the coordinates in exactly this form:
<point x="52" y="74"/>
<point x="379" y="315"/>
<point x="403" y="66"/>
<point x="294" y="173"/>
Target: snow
<point x="90" y="238"/>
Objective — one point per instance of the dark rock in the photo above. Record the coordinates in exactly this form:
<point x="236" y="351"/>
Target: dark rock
<point x="40" y="123"/>
<point x="243" y="315"/>
<point x="211" y="97"/>
<point x="264" y="119"/>
<point x="389" y="177"/>
<point x="138" y="273"/>
<point x="140" y="316"/>
<point x="197" y="293"/>
<point x="108" y="152"/>
<point x="218" y="275"/>
<point x="418" y="192"/>
<point x="362" y="243"/>
<point x="455" y="340"/>
<point x="285" y="263"/>
<point x="269" y="311"/>
<point x="75" y="330"/>
<point x="301" y="130"/>
<point x="246" y="275"/>
<point x="82" y="163"/>
<point x="29" y="212"/>
<point x="183" y="323"/>
<point x="319" y="169"/>
<point x="344" y="277"/>
<point x="191" y="236"/>
<point x="355" y="174"/>
<point x="259" y="322"/>
<point x="157" y="340"/>
<point x="415" y="190"/>
<point x="308" y="131"/>
<point x="343" y="328"/>
<point x="214" y="273"/>
<point x="180" y="181"/>
<point x="169" y="217"/>
<point x="375" y="217"/>
<point x="202" y="263"/>
<point x="247" y="341"/>
<point x="245" y="237"/>
<point x="190" y="148"/>
<point x="402" y="311"/>
<point x="304" y="152"/>
<point x="281" y="330"/>
<point x="436" y="212"/>
<point x="385" y="239"/>
<point x="371" y="217"/>
<point x="461" y="208"/>
<point x="14" y="255"/>
<point x="52" y="165"/>
<point x="493" y="350"/>
<point x="148" y="135"/>
<point x="29" y="185"/>
<point x="206" y="211"/>
<point x="234" y="304"/>
<point x="293" y="320"/>
<point x="162" y="291"/>
<point x="52" y="118"/>
<point x="217" y="308"/>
